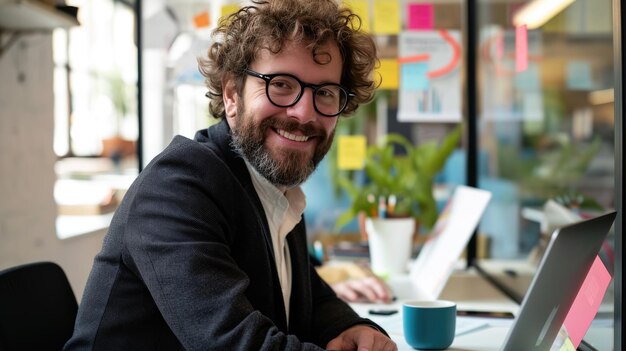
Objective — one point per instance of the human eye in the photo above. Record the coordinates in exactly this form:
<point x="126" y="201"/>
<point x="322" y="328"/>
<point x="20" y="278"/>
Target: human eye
<point x="328" y="93"/>
<point x="283" y="85"/>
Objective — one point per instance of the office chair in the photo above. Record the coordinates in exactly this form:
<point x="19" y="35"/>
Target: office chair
<point x="37" y="307"/>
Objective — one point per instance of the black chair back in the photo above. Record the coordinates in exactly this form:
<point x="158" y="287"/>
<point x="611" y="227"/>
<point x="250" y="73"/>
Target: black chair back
<point x="37" y="307"/>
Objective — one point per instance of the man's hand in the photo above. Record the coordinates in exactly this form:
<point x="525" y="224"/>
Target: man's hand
<point x="371" y="289"/>
<point x="362" y="338"/>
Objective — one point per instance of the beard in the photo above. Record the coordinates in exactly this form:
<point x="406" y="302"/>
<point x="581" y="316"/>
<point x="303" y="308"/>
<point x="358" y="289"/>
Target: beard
<point x="281" y="167"/>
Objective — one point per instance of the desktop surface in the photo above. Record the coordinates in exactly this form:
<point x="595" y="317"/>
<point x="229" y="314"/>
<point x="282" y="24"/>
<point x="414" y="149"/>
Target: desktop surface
<point x="473" y="333"/>
<point x="471" y="292"/>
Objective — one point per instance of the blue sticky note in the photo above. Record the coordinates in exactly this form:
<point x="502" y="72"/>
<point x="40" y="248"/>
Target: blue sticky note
<point x="413" y="76"/>
<point x="579" y="75"/>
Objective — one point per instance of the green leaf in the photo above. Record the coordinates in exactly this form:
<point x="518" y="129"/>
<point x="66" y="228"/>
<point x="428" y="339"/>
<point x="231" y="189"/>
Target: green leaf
<point x="345" y="218"/>
<point x="409" y="177"/>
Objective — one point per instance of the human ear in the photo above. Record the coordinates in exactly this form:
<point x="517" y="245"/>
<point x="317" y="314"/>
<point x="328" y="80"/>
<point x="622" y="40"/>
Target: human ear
<point x="230" y="98"/>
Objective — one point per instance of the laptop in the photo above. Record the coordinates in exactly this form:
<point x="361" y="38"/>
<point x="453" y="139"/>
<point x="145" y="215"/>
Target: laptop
<point x="436" y="260"/>
<point x="570" y="253"/>
<point x="561" y="272"/>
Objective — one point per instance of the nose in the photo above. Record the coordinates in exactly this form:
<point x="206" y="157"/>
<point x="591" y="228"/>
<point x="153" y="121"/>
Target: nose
<point x="303" y="110"/>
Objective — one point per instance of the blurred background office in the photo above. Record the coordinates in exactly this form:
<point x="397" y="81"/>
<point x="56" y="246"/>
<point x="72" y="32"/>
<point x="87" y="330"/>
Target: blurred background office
<point x="88" y="97"/>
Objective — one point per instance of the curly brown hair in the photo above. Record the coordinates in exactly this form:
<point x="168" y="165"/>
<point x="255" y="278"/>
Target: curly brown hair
<point x="269" y="24"/>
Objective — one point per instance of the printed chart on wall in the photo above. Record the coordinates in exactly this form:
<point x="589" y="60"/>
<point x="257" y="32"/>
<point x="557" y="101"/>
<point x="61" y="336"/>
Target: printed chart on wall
<point x="430" y="76"/>
<point x="511" y="74"/>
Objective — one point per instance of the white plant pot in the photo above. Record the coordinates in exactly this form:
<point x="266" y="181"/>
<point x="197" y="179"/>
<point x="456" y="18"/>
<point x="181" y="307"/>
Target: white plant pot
<point x="390" y="243"/>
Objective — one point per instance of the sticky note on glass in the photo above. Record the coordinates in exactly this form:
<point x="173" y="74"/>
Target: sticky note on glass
<point x="389" y="73"/>
<point x="414" y="76"/>
<point x="567" y="346"/>
<point x="361" y="8"/>
<point x="351" y="152"/>
<point x="229" y="9"/>
<point x="387" y="17"/>
<point x="521" y="48"/>
<point x="579" y="75"/>
<point x="201" y="20"/>
<point x="587" y="301"/>
<point x="420" y="16"/>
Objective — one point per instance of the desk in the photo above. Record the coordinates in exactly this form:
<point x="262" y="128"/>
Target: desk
<point x="471" y="292"/>
<point x="600" y="334"/>
<point x="484" y="338"/>
<point x="465" y="287"/>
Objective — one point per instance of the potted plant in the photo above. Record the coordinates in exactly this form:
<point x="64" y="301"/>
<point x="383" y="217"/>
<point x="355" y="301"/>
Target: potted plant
<point x="116" y="146"/>
<point x="397" y="197"/>
<point x="403" y="182"/>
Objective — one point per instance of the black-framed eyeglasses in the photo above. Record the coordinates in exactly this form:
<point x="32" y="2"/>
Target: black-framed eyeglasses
<point x="285" y="90"/>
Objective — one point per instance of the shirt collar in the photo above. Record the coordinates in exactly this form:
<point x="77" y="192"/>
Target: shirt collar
<point x="284" y="201"/>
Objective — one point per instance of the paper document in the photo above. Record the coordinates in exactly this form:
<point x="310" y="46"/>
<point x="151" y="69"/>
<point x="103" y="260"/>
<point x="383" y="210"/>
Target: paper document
<point x="393" y="324"/>
<point x="453" y="230"/>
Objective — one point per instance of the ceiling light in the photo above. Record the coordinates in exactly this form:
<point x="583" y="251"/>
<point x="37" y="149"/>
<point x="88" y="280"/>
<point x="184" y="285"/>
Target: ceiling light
<point x="537" y="12"/>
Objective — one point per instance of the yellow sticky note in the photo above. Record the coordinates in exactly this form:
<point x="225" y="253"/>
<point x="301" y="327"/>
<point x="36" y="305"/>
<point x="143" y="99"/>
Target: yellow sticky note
<point x="226" y="10"/>
<point x="386" y="17"/>
<point x="361" y="8"/>
<point x="567" y="346"/>
<point x="389" y="73"/>
<point x="351" y="152"/>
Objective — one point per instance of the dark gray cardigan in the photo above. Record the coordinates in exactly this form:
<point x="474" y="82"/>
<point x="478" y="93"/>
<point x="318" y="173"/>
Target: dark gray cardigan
<point x="188" y="264"/>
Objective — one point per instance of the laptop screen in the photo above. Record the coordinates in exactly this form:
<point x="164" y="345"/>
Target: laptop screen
<point x="445" y="244"/>
<point x="563" y="268"/>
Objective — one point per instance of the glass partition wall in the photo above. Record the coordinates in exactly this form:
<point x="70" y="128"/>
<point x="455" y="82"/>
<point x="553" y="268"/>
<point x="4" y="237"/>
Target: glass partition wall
<point x="546" y="141"/>
<point x="539" y="133"/>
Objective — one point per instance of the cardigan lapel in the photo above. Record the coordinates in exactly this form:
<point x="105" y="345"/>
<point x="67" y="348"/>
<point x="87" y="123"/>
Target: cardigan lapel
<point x="220" y="135"/>
<point x="300" y="304"/>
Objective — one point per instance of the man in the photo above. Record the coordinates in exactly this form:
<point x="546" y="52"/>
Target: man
<point x="353" y="283"/>
<point x="208" y="249"/>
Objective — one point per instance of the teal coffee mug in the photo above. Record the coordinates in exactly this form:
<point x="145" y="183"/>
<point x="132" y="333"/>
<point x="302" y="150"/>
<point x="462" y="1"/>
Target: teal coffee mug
<point x="429" y="325"/>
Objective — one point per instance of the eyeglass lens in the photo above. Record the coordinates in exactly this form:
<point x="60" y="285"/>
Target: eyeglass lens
<point x="284" y="91"/>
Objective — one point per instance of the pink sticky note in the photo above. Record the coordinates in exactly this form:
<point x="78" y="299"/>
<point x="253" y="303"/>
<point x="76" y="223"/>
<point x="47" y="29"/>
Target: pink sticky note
<point x="420" y="16"/>
<point x="521" y="48"/>
<point x="587" y="301"/>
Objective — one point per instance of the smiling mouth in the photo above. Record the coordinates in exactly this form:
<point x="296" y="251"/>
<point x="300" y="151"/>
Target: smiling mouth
<point x="286" y="134"/>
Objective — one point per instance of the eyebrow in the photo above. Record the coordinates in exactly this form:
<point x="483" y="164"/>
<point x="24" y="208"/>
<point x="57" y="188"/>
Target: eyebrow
<point x="295" y="75"/>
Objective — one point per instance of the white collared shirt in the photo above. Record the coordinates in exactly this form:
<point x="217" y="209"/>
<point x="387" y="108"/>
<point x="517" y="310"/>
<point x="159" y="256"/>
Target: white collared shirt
<point x="283" y="210"/>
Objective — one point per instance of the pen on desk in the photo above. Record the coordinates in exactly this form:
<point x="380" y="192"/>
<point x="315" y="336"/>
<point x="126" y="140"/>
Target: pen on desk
<point x="391" y="205"/>
<point x="510" y="273"/>
<point x="371" y="200"/>
<point x="382" y="207"/>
